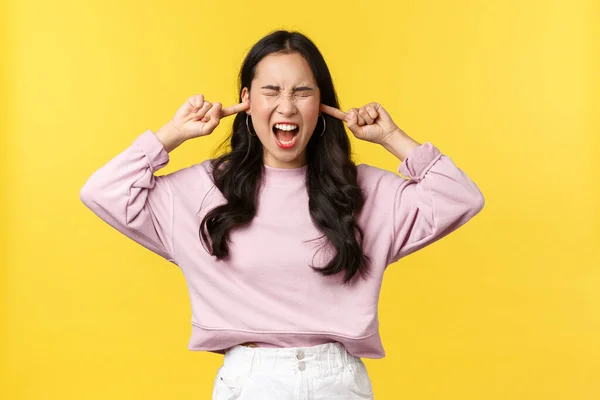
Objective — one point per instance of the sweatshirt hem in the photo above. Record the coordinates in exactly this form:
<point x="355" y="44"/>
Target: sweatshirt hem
<point x="328" y="333"/>
<point x="205" y="339"/>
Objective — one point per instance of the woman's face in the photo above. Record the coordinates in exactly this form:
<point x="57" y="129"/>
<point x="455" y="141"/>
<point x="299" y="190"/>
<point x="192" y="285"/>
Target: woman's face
<point x="284" y="107"/>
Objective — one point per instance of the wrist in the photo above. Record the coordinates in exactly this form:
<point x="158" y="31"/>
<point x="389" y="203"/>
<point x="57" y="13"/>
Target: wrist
<point x="399" y="144"/>
<point x="392" y="137"/>
<point x="170" y="136"/>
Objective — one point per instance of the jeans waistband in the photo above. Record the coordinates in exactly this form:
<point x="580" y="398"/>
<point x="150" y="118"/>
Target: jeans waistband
<point x="320" y="359"/>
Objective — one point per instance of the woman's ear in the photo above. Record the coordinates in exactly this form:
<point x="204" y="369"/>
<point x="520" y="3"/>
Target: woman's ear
<point x="246" y="97"/>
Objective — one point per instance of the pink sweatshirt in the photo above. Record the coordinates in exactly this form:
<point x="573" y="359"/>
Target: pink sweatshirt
<point x="266" y="292"/>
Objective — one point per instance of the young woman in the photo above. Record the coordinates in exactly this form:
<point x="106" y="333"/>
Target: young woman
<point x="283" y="240"/>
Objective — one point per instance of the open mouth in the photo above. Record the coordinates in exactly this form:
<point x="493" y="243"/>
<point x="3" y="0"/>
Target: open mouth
<point x="286" y="134"/>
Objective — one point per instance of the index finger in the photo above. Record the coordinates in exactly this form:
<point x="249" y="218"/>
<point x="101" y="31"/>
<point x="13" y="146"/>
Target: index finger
<point x="227" y="111"/>
<point x="334" y="112"/>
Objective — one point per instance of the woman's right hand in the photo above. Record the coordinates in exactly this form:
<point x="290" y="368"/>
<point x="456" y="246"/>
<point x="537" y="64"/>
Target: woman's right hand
<point x="198" y="117"/>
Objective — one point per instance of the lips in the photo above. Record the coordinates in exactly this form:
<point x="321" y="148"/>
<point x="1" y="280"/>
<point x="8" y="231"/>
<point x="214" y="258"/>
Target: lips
<point x="286" y="134"/>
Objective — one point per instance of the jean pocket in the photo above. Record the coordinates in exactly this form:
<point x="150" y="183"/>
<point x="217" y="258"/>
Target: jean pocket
<point x="358" y="380"/>
<point x="227" y="386"/>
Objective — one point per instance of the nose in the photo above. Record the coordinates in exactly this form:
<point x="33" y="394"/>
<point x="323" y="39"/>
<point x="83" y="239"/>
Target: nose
<point x="286" y="106"/>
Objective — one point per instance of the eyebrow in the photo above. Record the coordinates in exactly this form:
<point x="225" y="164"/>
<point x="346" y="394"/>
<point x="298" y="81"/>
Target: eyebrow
<point x="296" y="89"/>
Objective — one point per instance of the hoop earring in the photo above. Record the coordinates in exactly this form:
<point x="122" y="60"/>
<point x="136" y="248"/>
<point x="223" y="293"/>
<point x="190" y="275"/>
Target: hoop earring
<point x="248" y="127"/>
<point x="324" y="125"/>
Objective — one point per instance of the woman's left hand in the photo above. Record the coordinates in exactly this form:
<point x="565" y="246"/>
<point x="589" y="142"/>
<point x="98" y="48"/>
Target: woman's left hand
<point x="370" y="122"/>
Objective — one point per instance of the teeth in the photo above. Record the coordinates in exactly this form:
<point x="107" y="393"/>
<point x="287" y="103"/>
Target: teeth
<point x="287" y="143"/>
<point x="286" y="127"/>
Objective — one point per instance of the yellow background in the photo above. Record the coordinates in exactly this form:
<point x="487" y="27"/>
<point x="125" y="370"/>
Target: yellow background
<point x="508" y="307"/>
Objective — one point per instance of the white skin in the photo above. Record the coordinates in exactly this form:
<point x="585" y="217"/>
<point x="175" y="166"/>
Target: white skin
<point x="284" y="89"/>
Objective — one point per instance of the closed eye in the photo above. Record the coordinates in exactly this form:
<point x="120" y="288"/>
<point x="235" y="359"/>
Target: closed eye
<point x="299" y="91"/>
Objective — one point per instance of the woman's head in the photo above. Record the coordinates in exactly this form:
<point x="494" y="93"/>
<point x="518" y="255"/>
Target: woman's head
<point x="283" y="95"/>
<point x="285" y="78"/>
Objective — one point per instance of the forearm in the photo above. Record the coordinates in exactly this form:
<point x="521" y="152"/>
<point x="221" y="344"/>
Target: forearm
<point x="170" y="137"/>
<point x="127" y="195"/>
<point x="400" y="144"/>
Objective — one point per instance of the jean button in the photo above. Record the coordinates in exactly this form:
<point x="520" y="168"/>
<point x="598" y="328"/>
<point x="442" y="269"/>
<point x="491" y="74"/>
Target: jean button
<point x="300" y="355"/>
<point x="302" y="366"/>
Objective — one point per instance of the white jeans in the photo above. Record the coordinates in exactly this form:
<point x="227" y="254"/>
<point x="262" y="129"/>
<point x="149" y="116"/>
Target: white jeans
<point x="323" y="372"/>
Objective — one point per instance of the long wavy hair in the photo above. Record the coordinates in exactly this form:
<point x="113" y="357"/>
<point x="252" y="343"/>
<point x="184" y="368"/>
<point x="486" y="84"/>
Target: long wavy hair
<point x="335" y="199"/>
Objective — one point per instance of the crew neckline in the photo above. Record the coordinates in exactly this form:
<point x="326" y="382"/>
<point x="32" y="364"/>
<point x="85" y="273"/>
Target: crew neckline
<point x="284" y="175"/>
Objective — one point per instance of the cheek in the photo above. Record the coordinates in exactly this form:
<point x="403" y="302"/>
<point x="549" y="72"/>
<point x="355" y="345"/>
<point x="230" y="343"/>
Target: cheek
<point x="261" y="114"/>
<point x="261" y="107"/>
<point x="310" y="110"/>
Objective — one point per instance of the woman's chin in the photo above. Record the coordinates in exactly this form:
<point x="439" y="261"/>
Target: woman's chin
<point x="285" y="158"/>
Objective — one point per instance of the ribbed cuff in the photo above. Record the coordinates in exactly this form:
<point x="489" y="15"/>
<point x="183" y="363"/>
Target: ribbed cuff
<point x="419" y="161"/>
<point x="154" y="150"/>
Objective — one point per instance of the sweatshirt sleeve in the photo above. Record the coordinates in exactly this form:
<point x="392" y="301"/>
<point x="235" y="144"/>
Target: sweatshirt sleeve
<point x="437" y="199"/>
<point x="127" y="195"/>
